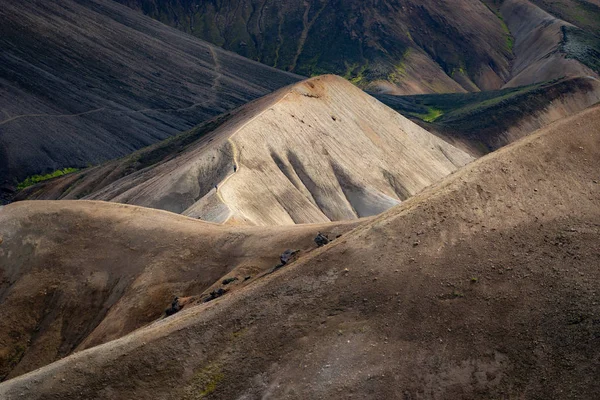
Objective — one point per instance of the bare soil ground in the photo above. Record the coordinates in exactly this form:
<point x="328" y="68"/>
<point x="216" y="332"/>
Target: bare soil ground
<point x="74" y="274"/>
<point x="483" y="286"/>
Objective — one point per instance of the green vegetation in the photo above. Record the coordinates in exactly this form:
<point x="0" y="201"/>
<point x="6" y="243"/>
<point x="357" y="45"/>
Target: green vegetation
<point x="447" y="107"/>
<point x="204" y="382"/>
<point x="510" y="40"/>
<point x="461" y="70"/>
<point x="432" y="115"/>
<point x="582" y="46"/>
<point x="399" y="72"/>
<point x="32" y="180"/>
<point x="355" y="73"/>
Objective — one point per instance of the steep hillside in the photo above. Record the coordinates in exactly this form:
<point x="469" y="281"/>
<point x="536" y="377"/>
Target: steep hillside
<point x="77" y="274"/>
<point x="318" y="151"/>
<point x="546" y="47"/>
<point x="485" y="121"/>
<point x="404" y="46"/>
<point x="484" y="286"/>
<point x="401" y="46"/>
<point x="82" y="82"/>
<point x="584" y="14"/>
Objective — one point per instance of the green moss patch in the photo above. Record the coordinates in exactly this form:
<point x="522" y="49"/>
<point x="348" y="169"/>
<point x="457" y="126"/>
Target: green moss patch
<point x="204" y="382"/>
<point x="32" y="180"/>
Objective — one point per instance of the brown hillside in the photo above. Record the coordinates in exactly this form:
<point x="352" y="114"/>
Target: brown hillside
<point x="77" y="274"/>
<point x="484" y="286"/>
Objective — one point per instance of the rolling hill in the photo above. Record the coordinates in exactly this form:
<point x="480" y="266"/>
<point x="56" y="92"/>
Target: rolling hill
<point x="82" y="82"/>
<point x="58" y="297"/>
<point x="317" y="151"/>
<point x="482" y="286"/>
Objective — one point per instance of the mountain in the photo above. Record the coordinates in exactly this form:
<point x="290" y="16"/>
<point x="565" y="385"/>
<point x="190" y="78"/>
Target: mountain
<point x="82" y="82"/>
<point x="401" y="46"/>
<point x="317" y="151"/>
<point x="483" y="286"/>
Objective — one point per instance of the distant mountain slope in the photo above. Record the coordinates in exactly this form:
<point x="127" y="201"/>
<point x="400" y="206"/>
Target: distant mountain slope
<point x="401" y="46"/>
<point x="318" y="151"/>
<point x="86" y="81"/>
<point x="547" y="47"/>
<point x="485" y="121"/>
<point x="485" y="286"/>
<point x="410" y="46"/>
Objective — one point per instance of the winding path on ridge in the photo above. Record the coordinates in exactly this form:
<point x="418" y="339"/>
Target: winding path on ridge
<point x="237" y="152"/>
<point x="6" y="121"/>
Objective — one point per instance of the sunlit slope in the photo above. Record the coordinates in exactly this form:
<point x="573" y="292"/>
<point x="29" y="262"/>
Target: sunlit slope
<point x="318" y="151"/>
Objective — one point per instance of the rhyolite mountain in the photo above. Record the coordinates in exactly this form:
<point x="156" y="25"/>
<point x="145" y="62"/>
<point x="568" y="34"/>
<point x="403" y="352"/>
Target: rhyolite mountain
<point x="317" y="151"/>
<point x="400" y="46"/>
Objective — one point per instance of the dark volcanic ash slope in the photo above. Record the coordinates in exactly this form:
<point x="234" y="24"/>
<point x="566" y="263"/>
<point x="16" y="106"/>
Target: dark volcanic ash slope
<point x="402" y="46"/>
<point x="484" y="286"/>
<point x="409" y="46"/>
<point x="85" y="81"/>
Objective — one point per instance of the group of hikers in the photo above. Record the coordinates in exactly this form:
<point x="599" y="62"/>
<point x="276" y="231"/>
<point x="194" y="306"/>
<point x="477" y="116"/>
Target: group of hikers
<point x="234" y="171"/>
<point x="286" y="257"/>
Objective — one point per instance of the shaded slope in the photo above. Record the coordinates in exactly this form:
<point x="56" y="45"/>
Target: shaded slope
<point x="485" y="286"/>
<point x="86" y="81"/>
<point x="401" y="46"/>
<point x="584" y="14"/>
<point x="77" y="274"/>
<point x="318" y="151"/>
<point x="405" y="46"/>
<point x="483" y="122"/>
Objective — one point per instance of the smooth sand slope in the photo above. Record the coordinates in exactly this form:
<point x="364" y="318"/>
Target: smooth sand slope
<point x="75" y="274"/>
<point x="82" y="82"/>
<point x="483" y="286"/>
<point x="317" y="151"/>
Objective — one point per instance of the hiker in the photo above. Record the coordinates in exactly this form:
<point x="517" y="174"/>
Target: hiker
<point x="175" y="307"/>
<point x="216" y="188"/>
<point x="287" y="256"/>
<point x="234" y="168"/>
<point x="321" y="240"/>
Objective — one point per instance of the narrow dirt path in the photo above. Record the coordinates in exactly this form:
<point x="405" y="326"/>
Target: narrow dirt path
<point x="307" y="25"/>
<point x="51" y="115"/>
<point x="236" y="151"/>
<point x="215" y="57"/>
